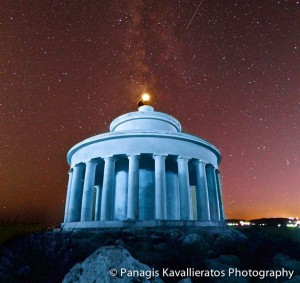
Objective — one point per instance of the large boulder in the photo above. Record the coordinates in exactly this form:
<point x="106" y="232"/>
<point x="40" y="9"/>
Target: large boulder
<point x="230" y="241"/>
<point x="222" y="264"/>
<point x="295" y="279"/>
<point x="281" y="260"/>
<point x="195" y="244"/>
<point x="111" y="264"/>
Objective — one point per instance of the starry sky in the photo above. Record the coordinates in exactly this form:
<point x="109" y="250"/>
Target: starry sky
<point x="228" y="70"/>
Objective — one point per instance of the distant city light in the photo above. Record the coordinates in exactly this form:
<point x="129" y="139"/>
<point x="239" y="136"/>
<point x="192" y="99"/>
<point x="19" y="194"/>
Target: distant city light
<point x="290" y="222"/>
<point x="245" y="223"/>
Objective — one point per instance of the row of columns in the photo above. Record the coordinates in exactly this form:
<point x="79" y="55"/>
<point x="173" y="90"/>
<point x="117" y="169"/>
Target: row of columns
<point x="80" y="203"/>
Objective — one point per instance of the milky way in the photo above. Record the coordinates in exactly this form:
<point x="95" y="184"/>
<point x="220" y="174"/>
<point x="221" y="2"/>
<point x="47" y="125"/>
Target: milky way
<point x="228" y="70"/>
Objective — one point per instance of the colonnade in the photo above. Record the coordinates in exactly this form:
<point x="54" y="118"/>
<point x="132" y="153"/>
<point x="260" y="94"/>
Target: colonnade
<point x="94" y="194"/>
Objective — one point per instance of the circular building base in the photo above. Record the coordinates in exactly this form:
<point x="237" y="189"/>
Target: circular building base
<point x="141" y="223"/>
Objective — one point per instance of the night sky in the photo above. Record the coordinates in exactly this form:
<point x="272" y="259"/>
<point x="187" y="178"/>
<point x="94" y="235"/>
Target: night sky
<point x="228" y="70"/>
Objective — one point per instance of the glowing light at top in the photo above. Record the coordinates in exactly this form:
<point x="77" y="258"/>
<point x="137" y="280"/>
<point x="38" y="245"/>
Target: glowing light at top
<point x="145" y="97"/>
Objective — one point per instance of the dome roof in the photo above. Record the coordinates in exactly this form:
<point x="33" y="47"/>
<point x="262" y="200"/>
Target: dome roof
<point x="145" y="119"/>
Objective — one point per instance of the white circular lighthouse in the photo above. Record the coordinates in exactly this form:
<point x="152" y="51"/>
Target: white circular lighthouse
<point x="144" y="172"/>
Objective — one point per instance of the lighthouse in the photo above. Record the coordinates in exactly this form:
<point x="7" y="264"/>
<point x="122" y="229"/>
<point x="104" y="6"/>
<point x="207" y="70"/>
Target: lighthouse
<point x="144" y="172"/>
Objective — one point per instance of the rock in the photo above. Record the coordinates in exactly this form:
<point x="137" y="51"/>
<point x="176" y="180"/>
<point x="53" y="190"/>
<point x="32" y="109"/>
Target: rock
<point x="174" y="236"/>
<point x="195" y="245"/>
<point x="295" y="279"/>
<point x="161" y="246"/>
<point x="223" y="263"/>
<point x="190" y="239"/>
<point x="281" y="260"/>
<point x="23" y="271"/>
<point x="231" y="235"/>
<point x="120" y="243"/>
<point x="230" y="241"/>
<point x="109" y="242"/>
<point x="129" y="231"/>
<point x="230" y="260"/>
<point x="157" y="239"/>
<point x="105" y="261"/>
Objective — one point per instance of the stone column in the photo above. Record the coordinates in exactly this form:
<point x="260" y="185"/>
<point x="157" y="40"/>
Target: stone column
<point x="120" y="189"/>
<point x="219" y="186"/>
<point x="213" y="193"/>
<point x="87" y="197"/>
<point x="76" y="193"/>
<point x="68" y="196"/>
<point x="203" y="212"/>
<point x="184" y="188"/>
<point x="146" y="188"/>
<point x="107" y="200"/>
<point x="133" y="188"/>
<point x="172" y="193"/>
<point x="160" y="187"/>
<point x="98" y="203"/>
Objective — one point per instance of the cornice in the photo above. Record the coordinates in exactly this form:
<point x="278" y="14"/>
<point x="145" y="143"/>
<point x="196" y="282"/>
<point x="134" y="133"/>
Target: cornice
<point x="152" y="134"/>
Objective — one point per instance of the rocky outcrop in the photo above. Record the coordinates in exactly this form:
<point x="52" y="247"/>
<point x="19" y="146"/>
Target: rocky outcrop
<point x="281" y="260"/>
<point x="111" y="264"/>
<point x="90" y="255"/>
<point x="224" y="262"/>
